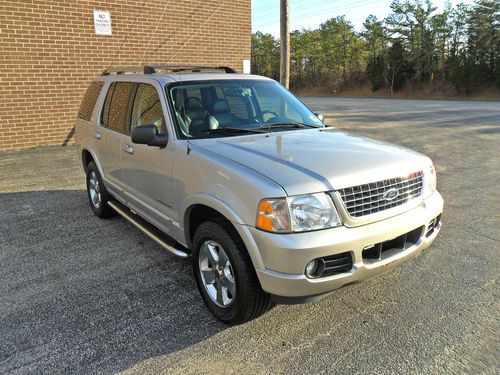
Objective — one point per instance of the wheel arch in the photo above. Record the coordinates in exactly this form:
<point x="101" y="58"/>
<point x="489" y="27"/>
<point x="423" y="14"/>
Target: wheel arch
<point x="88" y="156"/>
<point x="205" y="209"/>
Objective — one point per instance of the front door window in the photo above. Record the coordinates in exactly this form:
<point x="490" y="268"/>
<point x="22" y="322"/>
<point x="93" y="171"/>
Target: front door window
<point x="147" y="108"/>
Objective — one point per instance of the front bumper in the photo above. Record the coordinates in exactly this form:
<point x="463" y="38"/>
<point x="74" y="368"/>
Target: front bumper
<point x="286" y="256"/>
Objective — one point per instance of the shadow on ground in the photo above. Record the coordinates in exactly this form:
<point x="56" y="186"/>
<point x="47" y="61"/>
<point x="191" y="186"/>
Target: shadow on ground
<point x="87" y="295"/>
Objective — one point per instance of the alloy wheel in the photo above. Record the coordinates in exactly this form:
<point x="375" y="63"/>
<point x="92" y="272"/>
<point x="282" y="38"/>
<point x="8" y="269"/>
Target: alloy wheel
<point x="217" y="274"/>
<point x="94" y="190"/>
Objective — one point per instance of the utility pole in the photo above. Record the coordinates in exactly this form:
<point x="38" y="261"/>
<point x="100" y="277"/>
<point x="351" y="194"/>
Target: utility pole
<point x="285" y="42"/>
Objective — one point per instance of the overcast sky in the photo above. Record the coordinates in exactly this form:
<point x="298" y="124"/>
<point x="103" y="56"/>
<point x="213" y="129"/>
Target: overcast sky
<point x="311" y="13"/>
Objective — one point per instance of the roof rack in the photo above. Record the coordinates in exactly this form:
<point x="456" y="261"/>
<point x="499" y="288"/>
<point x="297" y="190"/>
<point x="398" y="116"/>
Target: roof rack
<point x="149" y="69"/>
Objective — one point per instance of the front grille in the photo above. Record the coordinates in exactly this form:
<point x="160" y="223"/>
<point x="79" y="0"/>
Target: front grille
<point x="371" y="198"/>
<point x="384" y="249"/>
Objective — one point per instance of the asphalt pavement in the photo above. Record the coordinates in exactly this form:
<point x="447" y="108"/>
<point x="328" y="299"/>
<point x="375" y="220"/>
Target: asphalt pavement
<point x="83" y="295"/>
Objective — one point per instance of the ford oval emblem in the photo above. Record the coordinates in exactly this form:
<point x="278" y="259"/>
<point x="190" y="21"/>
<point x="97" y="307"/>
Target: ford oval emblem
<point x="390" y="194"/>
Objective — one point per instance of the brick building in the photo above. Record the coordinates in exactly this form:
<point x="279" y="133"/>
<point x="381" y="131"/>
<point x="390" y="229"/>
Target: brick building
<point x="50" y="51"/>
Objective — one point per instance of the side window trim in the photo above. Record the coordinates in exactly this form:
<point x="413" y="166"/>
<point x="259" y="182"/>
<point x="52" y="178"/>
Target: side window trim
<point x="130" y="108"/>
<point x="111" y="88"/>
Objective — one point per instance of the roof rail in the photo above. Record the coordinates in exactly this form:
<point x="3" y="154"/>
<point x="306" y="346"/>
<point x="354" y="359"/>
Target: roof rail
<point x="150" y="69"/>
<point x="187" y="68"/>
<point x="123" y="70"/>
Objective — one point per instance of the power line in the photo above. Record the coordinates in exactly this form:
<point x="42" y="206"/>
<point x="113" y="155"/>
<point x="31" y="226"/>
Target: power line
<point x="300" y="6"/>
<point x="200" y="28"/>
<point x="174" y="34"/>
<point x="314" y="14"/>
<point x="307" y="2"/>
<point x="154" y="32"/>
<point x="331" y="9"/>
<point x="125" y="38"/>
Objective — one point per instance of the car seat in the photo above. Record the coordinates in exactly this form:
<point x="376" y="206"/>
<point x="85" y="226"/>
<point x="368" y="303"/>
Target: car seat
<point x="222" y="117"/>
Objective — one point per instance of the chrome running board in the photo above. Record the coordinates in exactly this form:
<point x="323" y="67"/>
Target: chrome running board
<point x="152" y="232"/>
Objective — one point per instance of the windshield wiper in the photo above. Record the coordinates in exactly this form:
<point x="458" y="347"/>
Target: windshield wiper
<point x="231" y="131"/>
<point x="288" y="124"/>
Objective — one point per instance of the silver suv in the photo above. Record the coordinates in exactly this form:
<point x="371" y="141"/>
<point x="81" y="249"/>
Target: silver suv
<point x="234" y="171"/>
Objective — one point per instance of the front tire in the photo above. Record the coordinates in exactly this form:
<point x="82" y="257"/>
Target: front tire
<point x="97" y="193"/>
<point x="225" y="275"/>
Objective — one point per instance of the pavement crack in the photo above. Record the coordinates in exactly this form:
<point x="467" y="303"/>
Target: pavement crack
<point x="475" y="231"/>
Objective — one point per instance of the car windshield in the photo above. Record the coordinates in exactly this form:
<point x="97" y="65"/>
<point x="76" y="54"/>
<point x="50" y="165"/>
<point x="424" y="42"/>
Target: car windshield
<point x="221" y="108"/>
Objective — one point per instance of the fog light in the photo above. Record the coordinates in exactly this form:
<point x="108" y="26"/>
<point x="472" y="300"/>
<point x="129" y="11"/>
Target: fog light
<point x="313" y="268"/>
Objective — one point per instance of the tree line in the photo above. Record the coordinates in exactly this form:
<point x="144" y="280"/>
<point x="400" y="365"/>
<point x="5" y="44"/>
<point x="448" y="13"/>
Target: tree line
<point x="457" y="48"/>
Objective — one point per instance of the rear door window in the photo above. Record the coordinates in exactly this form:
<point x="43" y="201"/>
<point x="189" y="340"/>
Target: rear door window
<point x="115" y="113"/>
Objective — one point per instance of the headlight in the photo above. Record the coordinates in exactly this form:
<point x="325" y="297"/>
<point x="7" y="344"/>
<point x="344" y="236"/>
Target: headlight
<point x="297" y="214"/>
<point x="312" y="211"/>
<point x="430" y="181"/>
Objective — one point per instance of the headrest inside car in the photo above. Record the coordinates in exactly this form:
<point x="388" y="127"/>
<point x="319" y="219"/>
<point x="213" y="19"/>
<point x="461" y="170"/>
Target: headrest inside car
<point x="193" y="103"/>
<point x="220" y="106"/>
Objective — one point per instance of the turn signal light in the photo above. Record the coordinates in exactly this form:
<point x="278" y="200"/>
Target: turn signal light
<point x="273" y="216"/>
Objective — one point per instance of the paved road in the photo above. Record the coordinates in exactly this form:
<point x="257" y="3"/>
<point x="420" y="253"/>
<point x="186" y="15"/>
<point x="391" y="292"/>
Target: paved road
<point x="81" y="295"/>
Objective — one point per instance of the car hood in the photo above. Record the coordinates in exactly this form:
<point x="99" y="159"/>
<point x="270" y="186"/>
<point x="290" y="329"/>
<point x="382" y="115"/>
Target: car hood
<point x="313" y="160"/>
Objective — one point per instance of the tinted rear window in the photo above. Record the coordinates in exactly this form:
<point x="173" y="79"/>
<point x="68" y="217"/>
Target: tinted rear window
<point x="115" y="114"/>
<point x="89" y="100"/>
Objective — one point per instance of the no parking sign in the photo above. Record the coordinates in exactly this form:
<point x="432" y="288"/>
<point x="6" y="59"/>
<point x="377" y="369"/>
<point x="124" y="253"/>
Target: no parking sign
<point x="102" y="22"/>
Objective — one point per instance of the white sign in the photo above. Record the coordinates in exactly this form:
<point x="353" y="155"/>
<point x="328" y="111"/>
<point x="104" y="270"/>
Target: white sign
<point x="102" y="22"/>
<point x="246" y="66"/>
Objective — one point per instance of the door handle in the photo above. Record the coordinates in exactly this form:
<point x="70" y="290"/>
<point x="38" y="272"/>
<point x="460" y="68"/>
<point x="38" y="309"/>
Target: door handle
<point x="97" y="136"/>
<point x="127" y="148"/>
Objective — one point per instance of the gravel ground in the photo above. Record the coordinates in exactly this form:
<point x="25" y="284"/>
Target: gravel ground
<point x="83" y="295"/>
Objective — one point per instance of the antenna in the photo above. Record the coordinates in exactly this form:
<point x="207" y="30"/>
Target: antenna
<point x="154" y="32"/>
<point x="123" y="41"/>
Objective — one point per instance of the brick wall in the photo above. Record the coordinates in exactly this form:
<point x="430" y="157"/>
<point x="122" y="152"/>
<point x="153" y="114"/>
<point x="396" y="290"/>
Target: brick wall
<point x="49" y="53"/>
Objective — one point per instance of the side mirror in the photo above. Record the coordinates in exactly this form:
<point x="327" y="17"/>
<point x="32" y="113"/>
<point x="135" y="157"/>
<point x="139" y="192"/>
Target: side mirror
<point x="148" y="135"/>
<point x="320" y="116"/>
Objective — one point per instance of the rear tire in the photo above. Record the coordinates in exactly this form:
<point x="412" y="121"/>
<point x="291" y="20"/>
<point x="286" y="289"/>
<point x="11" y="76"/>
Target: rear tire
<point x="242" y="298"/>
<point x="97" y="193"/>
